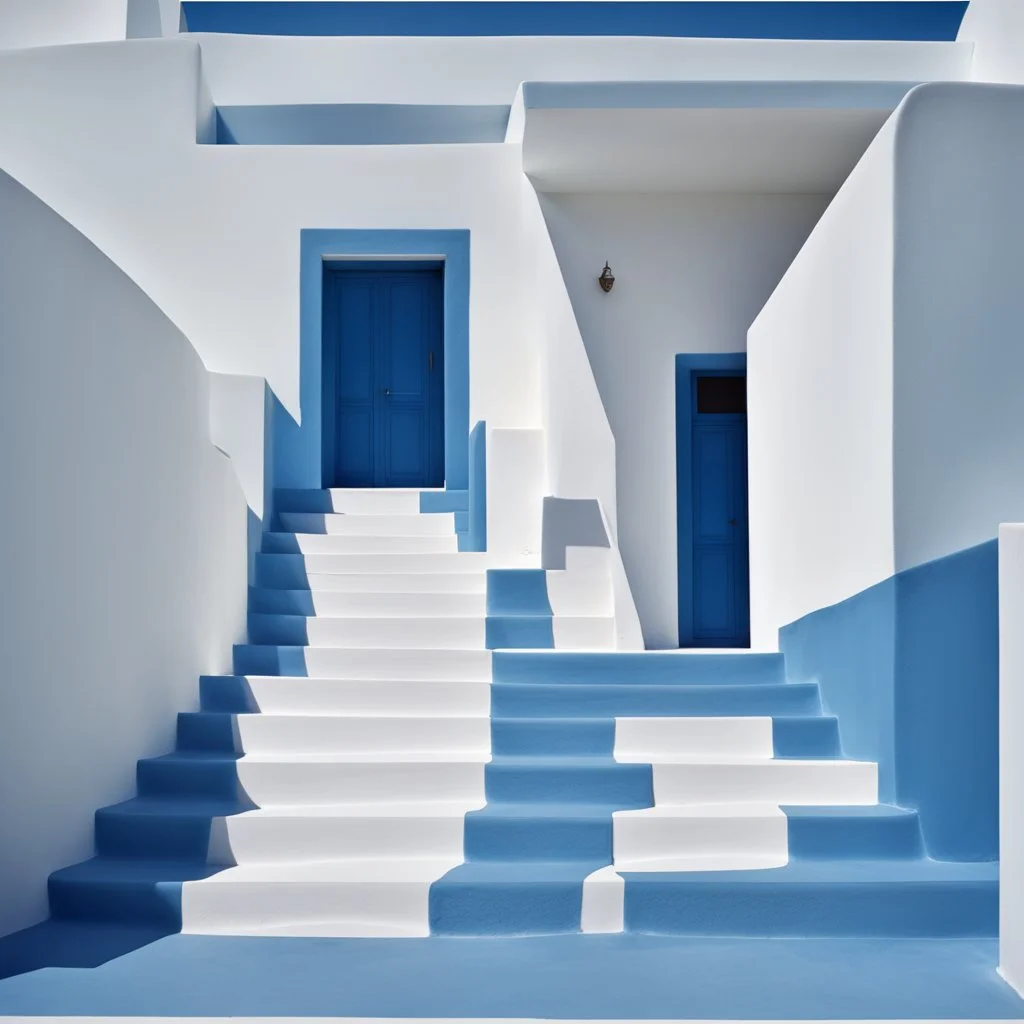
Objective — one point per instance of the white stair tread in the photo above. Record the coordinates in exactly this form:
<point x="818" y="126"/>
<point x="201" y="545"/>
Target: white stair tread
<point x="470" y="581"/>
<point x="408" y="524"/>
<point x="765" y="762"/>
<point x="385" y="871"/>
<point x="730" y="810"/>
<point x="360" y="757"/>
<point x="389" y="718"/>
<point x="705" y="862"/>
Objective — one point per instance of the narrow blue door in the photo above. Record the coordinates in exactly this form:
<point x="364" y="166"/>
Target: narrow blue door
<point x="383" y="378"/>
<point x="721" y="581"/>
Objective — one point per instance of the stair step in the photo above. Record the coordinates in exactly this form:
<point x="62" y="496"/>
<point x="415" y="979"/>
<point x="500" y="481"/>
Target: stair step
<point x="299" y="696"/>
<point x="359" y="663"/>
<point x="401" y="501"/>
<point x="778" y="781"/>
<point x="312" y="544"/>
<point x="510" y="898"/>
<point x="440" y="524"/>
<point x="368" y="604"/>
<point x="294" y="570"/>
<point x="880" y="831"/>
<point x="667" y="837"/>
<point x="642" y="739"/>
<point x="899" y="898"/>
<point x="380" y="897"/>
<point x="315" y="779"/>
<point x="395" y="633"/>
<point x="588" y="780"/>
<point x="546" y="700"/>
<point x="540" y="831"/>
<point x="265" y="733"/>
<point x="633" y="668"/>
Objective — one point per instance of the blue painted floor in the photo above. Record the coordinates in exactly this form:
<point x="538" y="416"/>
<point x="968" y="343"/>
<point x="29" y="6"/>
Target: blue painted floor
<point x="599" y="976"/>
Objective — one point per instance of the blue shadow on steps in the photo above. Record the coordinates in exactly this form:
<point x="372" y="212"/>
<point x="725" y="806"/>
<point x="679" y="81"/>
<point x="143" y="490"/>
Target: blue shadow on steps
<point x="73" y="944"/>
<point x="548" y="700"/>
<point x="281" y="572"/>
<point x="540" y="832"/>
<point x="227" y="693"/>
<point x="807" y="737"/>
<point x="599" y="977"/>
<point x="283" y="630"/>
<point x="649" y="667"/>
<point x="591" y="780"/>
<point x="518" y="611"/>
<point x="896" y="899"/>
<point x="879" y="832"/>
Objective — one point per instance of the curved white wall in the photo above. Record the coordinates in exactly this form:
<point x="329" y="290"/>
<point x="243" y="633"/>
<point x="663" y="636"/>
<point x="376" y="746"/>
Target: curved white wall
<point x="122" y="538"/>
<point x="52" y="22"/>
<point x="692" y="271"/>
<point x="996" y="30"/>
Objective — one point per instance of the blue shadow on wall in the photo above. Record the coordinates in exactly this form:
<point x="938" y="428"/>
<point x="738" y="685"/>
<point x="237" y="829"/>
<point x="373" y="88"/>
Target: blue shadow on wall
<point x="298" y="445"/>
<point x="359" y="124"/>
<point x="911" y="668"/>
<point x="735" y="19"/>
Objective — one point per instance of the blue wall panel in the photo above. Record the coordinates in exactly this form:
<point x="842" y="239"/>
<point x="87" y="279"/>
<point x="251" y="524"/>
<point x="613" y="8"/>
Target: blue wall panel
<point x="735" y="19"/>
<point x="911" y="668"/>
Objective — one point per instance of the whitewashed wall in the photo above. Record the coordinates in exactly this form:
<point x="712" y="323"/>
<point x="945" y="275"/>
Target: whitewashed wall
<point x="122" y="541"/>
<point x="489" y="69"/>
<point x="819" y="378"/>
<point x="106" y="135"/>
<point x="52" y="22"/>
<point x="692" y="272"/>
<point x="885" y="420"/>
<point x="996" y="30"/>
<point x="1011" y="754"/>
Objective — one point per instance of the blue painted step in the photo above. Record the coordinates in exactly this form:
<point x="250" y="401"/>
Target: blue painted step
<point x="282" y="630"/>
<point x="897" y="898"/>
<point x="556" y="736"/>
<point x="269" y="660"/>
<point x="161" y="828"/>
<point x="127" y="891"/>
<point x="540" y="831"/>
<point x="510" y="898"/>
<point x="830" y="833"/>
<point x="208" y="730"/>
<point x="190" y="774"/>
<point x="281" y="602"/>
<point x="648" y="667"/>
<point x="589" y="780"/>
<point x="227" y="694"/>
<point x="283" y="572"/>
<point x="808" y="737"/>
<point x="552" y="700"/>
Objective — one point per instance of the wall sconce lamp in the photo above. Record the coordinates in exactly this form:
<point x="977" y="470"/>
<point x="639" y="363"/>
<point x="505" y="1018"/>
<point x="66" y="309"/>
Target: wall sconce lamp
<point x="607" y="278"/>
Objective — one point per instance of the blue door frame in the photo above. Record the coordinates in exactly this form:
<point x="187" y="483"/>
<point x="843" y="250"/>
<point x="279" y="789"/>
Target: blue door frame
<point x="383" y="374"/>
<point x="729" y="432"/>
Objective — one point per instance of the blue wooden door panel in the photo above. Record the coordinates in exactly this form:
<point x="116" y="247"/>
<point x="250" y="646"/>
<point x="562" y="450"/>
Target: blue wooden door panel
<point x="383" y="379"/>
<point x="721" y="586"/>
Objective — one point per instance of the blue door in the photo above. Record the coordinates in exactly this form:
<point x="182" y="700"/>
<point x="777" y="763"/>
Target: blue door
<point x="721" y="581"/>
<point x="383" y="378"/>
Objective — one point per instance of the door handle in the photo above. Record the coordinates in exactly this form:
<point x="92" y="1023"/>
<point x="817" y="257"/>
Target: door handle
<point x="387" y="391"/>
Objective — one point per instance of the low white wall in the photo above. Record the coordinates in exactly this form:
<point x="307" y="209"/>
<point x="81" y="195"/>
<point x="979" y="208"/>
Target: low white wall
<point x="52" y="22"/>
<point x="692" y="271"/>
<point x="489" y="69"/>
<point x="1011" y="754"/>
<point x="122" y="540"/>
<point x="819" y="378"/>
<point x="106" y="136"/>
<point x="996" y="30"/>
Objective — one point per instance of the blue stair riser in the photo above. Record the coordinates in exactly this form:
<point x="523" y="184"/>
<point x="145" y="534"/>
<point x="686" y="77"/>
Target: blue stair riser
<point x="284" y="630"/>
<point x="269" y="660"/>
<point x="539" y="907"/>
<point x="206" y="730"/>
<point x="162" y="837"/>
<point x="559" y="736"/>
<point x="170" y="776"/>
<point x="493" y="836"/>
<point x="116" y="900"/>
<point x="575" y="700"/>
<point x="808" y="737"/>
<point x="623" y="785"/>
<point x="894" y="909"/>
<point x="287" y="572"/>
<point x="842" y="833"/>
<point x="519" y="631"/>
<point x="226" y="694"/>
<point x="281" y="602"/>
<point x="648" y="667"/>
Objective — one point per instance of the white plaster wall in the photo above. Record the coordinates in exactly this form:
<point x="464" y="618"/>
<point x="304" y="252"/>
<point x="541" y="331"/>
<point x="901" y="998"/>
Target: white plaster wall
<point x="489" y="69"/>
<point x="51" y="22"/>
<point x="959" y="310"/>
<point x="106" y="135"/>
<point x="1011" y="754"/>
<point x="692" y="271"/>
<point x="122" y="541"/>
<point x="996" y="30"/>
<point x="819" y="365"/>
